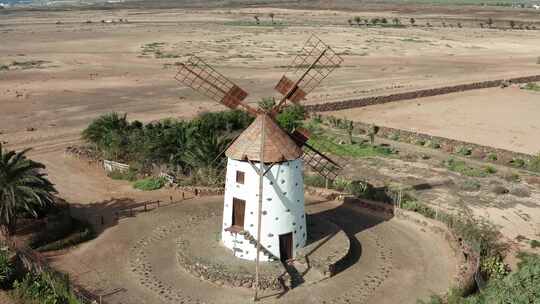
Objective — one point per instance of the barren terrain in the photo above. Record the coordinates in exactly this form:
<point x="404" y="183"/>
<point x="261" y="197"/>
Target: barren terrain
<point x="501" y="118"/>
<point x="84" y="69"/>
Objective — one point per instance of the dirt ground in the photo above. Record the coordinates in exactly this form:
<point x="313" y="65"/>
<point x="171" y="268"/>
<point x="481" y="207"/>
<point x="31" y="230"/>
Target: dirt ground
<point x="92" y="68"/>
<point x="389" y="255"/>
<point x="502" y="118"/>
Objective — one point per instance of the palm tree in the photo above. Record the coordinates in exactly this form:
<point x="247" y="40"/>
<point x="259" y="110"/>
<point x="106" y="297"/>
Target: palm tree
<point x="271" y="15"/>
<point x="489" y="22"/>
<point x="512" y="23"/>
<point x="256" y="19"/>
<point x="412" y="21"/>
<point x="395" y="20"/>
<point x="23" y="188"/>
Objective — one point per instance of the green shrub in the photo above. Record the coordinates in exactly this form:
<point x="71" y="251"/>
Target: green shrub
<point x="517" y="162"/>
<point x="129" y="175"/>
<point x="465" y="151"/>
<point x="492" y="157"/>
<point x="7" y="269"/>
<point x="470" y="185"/>
<point x="291" y="117"/>
<point x="518" y="287"/>
<point x="413" y="205"/>
<point x="494" y="267"/>
<point x="461" y="167"/>
<point x="490" y="169"/>
<point x="535" y="244"/>
<point x="150" y="183"/>
<point x="532" y="86"/>
<point x="44" y="288"/>
<point x="534" y="164"/>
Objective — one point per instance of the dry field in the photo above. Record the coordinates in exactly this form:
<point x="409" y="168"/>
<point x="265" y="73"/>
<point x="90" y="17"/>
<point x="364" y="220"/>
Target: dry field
<point x="501" y="118"/>
<point x="68" y="73"/>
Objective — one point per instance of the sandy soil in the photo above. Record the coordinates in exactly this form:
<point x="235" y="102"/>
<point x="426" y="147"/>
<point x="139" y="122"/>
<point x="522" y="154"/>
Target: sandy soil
<point x="387" y="270"/>
<point x="501" y="118"/>
<point x="95" y="68"/>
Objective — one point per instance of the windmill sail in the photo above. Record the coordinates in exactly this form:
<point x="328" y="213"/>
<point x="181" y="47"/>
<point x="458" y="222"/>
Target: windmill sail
<point x="201" y="77"/>
<point x="314" y="63"/>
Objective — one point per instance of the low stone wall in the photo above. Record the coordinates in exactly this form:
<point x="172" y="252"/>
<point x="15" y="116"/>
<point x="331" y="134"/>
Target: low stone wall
<point x="484" y="153"/>
<point x="368" y="101"/>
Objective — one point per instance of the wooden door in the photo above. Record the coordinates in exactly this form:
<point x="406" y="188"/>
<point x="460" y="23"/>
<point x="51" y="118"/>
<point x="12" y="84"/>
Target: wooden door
<point x="285" y="246"/>
<point x="239" y="209"/>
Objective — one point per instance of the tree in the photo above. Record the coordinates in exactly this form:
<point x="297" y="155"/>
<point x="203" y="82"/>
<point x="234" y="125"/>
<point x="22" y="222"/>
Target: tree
<point x="412" y="21"/>
<point x="271" y="15"/>
<point x="257" y="19"/>
<point x="384" y="21"/>
<point x="512" y="24"/>
<point x="357" y="20"/>
<point x="489" y="22"/>
<point x="374" y="21"/>
<point x="267" y="103"/>
<point x="459" y="24"/>
<point x="350" y="22"/>
<point x="395" y="21"/>
<point x="23" y="189"/>
<point x="291" y="117"/>
<point x="481" y="25"/>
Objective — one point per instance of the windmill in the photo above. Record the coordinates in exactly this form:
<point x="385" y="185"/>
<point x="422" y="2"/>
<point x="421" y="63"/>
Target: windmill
<point x="265" y="162"/>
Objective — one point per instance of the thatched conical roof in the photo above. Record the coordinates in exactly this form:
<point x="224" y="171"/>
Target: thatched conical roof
<point x="278" y="145"/>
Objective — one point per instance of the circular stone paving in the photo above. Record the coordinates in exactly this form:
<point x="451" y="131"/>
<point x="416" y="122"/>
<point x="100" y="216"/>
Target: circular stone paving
<point x="182" y="261"/>
<point x="201" y="253"/>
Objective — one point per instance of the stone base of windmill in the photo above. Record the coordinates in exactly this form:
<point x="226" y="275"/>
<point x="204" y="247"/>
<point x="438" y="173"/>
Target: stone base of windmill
<point x="201" y="253"/>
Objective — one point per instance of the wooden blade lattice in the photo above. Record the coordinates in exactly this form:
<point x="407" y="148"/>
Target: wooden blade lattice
<point x="314" y="63"/>
<point x="320" y="163"/>
<point x="201" y="77"/>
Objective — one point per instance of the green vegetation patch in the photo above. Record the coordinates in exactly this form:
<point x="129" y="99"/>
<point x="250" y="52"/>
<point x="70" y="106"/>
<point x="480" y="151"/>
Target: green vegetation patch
<point x="24" y="65"/>
<point x="357" y="150"/>
<point x="7" y="268"/>
<point x="461" y="167"/>
<point x="150" y="183"/>
<point x="531" y="86"/>
<point x="44" y="288"/>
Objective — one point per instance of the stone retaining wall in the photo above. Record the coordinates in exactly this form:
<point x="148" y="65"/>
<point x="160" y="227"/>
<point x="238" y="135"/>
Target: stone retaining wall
<point x="484" y="153"/>
<point x="367" y="101"/>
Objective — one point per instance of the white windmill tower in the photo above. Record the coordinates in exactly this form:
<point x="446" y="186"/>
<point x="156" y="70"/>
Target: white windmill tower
<point x="264" y="189"/>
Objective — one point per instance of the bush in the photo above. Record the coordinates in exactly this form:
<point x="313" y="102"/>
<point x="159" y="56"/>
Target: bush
<point x="461" y="167"/>
<point x="534" y="164"/>
<point x="150" y="183"/>
<point x="129" y="175"/>
<point x="44" y="288"/>
<point x="7" y="269"/>
<point x="518" y="287"/>
<point x="492" y="157"/>
<point x="470" y="185"/>
<point x="291" y="117"/>
<point x="535" y="244"/>
<point x="465" y="151"/>
<point x="517" y="162"/>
